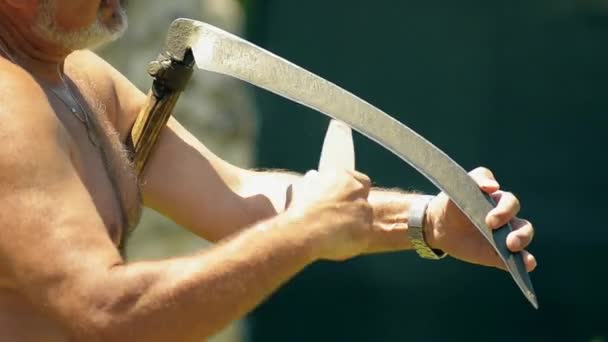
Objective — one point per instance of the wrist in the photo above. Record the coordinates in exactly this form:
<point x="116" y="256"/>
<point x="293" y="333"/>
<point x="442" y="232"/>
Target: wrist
<point x="430" y="223"/>
<point x="305" y="231"/>
<point x="420" y="228"/>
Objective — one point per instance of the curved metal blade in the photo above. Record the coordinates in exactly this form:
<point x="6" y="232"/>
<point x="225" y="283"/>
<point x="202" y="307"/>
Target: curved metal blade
<point x="338" y="152"/>
<point x="219" y="51"/>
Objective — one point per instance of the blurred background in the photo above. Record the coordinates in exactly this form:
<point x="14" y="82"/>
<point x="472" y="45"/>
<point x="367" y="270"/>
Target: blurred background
<point x="518" y="86"/>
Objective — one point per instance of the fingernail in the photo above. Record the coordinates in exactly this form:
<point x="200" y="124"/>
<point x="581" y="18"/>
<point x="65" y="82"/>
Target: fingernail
<point x="490" y="183"/>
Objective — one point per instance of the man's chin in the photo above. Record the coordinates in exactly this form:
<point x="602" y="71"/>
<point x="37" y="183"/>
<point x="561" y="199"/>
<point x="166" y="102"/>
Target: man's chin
<point x="109" y="26"/>
<point x="108" y="30"/>
<point x="92" y="39"/>
<point x="107" y="39"/>
<point x="94" y="45"/>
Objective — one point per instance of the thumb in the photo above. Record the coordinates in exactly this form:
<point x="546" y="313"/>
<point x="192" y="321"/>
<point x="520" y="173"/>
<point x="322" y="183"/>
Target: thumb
<point x="311" y="174"/>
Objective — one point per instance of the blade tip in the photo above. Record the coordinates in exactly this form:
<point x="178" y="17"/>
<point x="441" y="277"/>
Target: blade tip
<point x="533" y="301"/>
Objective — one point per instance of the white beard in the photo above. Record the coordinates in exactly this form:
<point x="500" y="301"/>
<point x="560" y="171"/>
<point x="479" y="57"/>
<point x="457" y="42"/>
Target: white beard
<point x="91" y="37"/>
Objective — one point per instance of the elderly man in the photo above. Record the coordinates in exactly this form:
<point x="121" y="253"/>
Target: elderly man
<point x="69" y="197"/>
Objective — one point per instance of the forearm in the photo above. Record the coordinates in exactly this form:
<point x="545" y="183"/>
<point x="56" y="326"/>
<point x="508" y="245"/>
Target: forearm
<point x="390" y="219"/>
<point x="225" y="199"/>
<point x="204" y="194"/>
<point x="214" y="199"/>
<point x="192" y="298"/>
<point x="268" y="194"/>
<point x="196" y="296"/>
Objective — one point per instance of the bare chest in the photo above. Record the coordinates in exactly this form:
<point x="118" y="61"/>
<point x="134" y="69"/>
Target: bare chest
<point x="99" y="157"/>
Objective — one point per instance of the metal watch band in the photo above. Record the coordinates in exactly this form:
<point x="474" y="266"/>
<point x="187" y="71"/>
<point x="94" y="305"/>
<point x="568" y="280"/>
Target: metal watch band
<point x="416" y="215"/>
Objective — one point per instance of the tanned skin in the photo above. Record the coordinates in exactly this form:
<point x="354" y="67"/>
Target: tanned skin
<point x="62" y="277"/>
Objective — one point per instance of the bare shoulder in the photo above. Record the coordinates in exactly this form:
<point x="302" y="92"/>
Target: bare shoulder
<point x="92" y="76"/>
<point x="16" y="84"/>
<point x="88" y="64"/>
<point x="26" y="117"/>
<point x="125" y="98"/>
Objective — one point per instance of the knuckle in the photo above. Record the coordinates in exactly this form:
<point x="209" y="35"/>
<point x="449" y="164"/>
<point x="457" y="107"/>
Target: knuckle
<point x="503" y="215"/>
<point x="521" y="223"/>
<point x="354" y="186"/>
<point x="362" y="178"/>
<point x="528" y="227"/>
<point x="366" y="181"/>
<point x="359" y="188"/>
<point x="500" y="193"/>
<point x="364" y="208"/>
<point x="357" y="182"/>
<point x="514" y="200"/>
<point x="363" y="204"/>
<point x="482" y="171"/>
<point x="509" y="200"/>
<point x="368" y="210"/>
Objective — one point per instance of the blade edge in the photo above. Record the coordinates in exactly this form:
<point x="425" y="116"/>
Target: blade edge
<point x="219" y="51"/>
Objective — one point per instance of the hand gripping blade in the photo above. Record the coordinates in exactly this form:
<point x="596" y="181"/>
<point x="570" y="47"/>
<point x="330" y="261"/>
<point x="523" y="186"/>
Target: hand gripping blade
<point x="221" y="52"/>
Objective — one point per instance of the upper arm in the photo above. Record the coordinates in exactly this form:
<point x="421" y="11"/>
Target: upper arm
<point x="183" y="179"/>
<point x="129" y="102"/>
<point x="51" y="235"/>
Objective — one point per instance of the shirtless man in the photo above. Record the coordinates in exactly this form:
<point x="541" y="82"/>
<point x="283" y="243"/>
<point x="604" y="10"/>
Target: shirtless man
<point x="68" y="196"/>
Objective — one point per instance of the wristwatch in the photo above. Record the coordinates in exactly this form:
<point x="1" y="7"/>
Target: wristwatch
<point x="415" y="231"/>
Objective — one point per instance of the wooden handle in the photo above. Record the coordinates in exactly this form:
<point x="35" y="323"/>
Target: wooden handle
<point x="170" y="79"/>
<point x="150" y="121"/>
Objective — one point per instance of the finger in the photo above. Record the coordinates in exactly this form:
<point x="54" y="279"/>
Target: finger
<point x="521" y="236"/>
<point x="506" y="208"/>
<point x="311" y="174"/>
<point x="482" y="171"/>
<point x="361" y="178"/>
<point x="529" y="261"/>
<point x="478" y="251"/>
<point x="489" y="257"/>
<point x="485" y="179"/>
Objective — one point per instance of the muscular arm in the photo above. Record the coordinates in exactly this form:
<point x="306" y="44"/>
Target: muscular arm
<point x="201" y="192"/>
<point x="55" y="248"/>
<point x="208" y="196"/>
<point x="212" y="198"/>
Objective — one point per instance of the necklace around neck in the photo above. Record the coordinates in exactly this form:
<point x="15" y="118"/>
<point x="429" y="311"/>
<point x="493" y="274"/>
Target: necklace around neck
<point x="84" y="119"/>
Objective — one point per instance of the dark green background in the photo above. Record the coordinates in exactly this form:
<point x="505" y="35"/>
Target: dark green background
<point x="518" y="86"/>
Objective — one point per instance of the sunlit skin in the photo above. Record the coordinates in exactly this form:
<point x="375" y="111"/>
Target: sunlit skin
<point x="62" y="277"/>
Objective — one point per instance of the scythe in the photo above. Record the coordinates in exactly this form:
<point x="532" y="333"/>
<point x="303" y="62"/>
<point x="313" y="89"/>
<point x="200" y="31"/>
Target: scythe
<point x="192" y="43"/>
